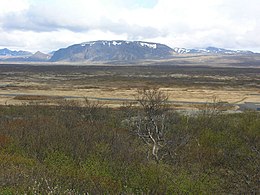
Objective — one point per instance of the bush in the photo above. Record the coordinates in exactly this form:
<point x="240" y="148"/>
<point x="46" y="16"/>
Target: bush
<point x="71" y="149"/>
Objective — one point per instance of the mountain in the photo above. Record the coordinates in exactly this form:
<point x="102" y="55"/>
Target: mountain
<point x="210" y="50"/>
<point x="120" y="51"/>
<point x="36" y="57"/>
<point x="39" y="57"/>
<point x="112" y="50"/>
<point x="9" y="53"/>
<point x="51" y="53"/>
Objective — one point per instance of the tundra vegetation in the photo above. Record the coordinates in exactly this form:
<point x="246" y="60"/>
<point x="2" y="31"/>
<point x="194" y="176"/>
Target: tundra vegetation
<point x="143" y="147"/>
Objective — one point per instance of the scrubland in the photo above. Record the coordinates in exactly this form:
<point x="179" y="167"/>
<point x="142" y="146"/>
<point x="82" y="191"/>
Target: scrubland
<point x="55" y="139"/>
<point x="94" y="149"/>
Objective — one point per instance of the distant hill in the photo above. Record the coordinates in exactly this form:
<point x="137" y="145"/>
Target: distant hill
<point x="36" y="57"/>
<point x="112" y="50"/>
<point x="39" y="56"/>
<point x="7" y="52"/>
<point x="210" y="50"/>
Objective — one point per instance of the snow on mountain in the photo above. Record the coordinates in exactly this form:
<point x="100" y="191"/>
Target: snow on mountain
<point x="181" y="50"/>
<point x="112" y="50"/>
<point x="153" y="46"/>
<point x="116" y="43"/>
<point x="209" y="50"/>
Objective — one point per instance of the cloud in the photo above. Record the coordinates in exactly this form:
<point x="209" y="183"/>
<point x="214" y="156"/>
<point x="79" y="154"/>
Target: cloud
<point x="41" y="17"/>
<point x="13" y="6"/>
<point x="186" y="23"/>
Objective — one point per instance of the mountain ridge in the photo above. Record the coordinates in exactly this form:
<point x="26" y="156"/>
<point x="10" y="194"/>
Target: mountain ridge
<point x="104" y="50"/>
<point x="113" y="50"/>
<point x="8" y="52"/>
<point x="118" y="50"/>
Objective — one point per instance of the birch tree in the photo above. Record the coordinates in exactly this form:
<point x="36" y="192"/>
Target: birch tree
<point x="150" y="123"/>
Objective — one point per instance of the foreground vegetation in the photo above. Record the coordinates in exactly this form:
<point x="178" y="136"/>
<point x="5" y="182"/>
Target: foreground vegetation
<point x="72" y="149"/>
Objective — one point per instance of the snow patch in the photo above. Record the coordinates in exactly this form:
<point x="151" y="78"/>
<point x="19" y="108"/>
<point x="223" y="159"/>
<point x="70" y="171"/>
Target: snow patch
<point x="153" y="46"/>
<point x="93" y="43"/>
<point x="181" y="50"/>
<point x="88" y="43"/>
<point x="116" y="43"/>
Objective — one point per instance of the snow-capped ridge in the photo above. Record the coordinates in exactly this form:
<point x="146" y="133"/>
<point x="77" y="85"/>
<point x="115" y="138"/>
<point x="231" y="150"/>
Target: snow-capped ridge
<point x="107" y="50"/>
<point x="121" y="50"/>
<point x="150" y="45"/>
<point x="181" y="50"/>
<point x="210" y="50"/>
<point x="118" y="43"/>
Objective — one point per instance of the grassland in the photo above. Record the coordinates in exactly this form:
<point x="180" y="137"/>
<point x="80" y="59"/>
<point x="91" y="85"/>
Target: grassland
<point x="181" y="83"/>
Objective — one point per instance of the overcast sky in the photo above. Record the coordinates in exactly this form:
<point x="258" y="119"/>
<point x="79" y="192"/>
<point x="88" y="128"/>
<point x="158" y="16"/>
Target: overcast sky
<point x="48" y="25"/>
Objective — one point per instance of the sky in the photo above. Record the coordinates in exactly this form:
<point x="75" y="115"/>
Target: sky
<point x="47" y="25"/>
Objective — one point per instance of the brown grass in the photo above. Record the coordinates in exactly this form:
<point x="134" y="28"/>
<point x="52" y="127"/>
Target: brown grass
<point x="36" y="97"/>
<point x="192" y="84"/>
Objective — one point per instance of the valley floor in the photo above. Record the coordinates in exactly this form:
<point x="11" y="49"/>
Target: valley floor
<point x="112" y="85"/>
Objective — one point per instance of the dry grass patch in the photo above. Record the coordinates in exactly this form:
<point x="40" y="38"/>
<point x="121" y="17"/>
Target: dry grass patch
<point x="36" y="97"/>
